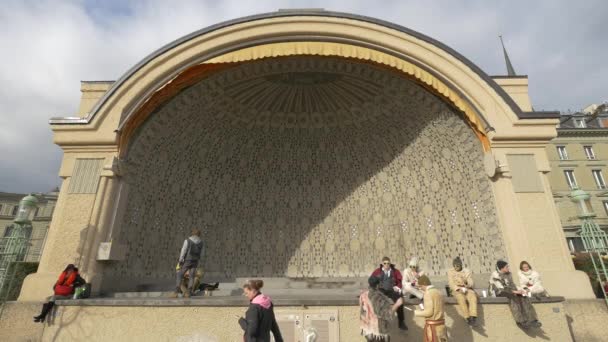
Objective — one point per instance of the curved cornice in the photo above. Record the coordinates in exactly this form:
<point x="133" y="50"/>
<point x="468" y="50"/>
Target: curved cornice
<point x="487" y="79"/>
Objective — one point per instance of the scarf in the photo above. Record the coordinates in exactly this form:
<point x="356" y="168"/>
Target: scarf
<point x="65" y="280"/>
<point x="375" y="314"/>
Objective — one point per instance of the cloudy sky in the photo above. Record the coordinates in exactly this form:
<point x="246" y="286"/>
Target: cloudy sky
<point x="48" y="47"/>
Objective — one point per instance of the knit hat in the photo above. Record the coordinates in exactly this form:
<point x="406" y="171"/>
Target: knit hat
<point x="424" y="280"/>
<point x="373" y="282"/>
<point x="457" y="261"/>
<point x="501" y="264"/>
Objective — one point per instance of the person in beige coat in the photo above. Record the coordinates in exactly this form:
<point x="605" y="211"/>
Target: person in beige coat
<point x="461" y="283"/>
<point x="434" y="327"/>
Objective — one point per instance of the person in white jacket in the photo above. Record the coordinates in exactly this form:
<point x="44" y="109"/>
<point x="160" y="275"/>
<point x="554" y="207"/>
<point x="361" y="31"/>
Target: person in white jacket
<point x="529" y="281"/>
<point x="410" y="280"/>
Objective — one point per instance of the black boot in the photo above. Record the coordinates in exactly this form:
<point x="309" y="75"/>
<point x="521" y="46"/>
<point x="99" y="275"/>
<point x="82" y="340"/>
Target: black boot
<point x="46" y="308"/>
<point x="402" y="325"/>
<point x="42" y="313"/>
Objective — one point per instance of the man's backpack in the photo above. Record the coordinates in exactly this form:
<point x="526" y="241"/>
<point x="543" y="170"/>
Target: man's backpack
<point x="194" y="250"/>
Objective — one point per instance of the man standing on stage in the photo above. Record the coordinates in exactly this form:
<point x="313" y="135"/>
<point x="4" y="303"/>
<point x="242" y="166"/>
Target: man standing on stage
<point x="391" y="277"/>
<point x="189" y="257"/>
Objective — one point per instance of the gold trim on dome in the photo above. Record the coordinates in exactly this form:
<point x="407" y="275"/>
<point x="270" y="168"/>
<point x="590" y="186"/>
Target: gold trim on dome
<point x="358" y="52"/>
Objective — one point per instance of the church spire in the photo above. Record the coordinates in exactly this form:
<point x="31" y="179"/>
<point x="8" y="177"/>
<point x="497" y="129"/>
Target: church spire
<point x="510" y="70"/>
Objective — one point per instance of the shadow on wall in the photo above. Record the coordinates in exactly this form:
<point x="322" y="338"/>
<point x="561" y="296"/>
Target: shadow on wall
<point x="280" y="189"/>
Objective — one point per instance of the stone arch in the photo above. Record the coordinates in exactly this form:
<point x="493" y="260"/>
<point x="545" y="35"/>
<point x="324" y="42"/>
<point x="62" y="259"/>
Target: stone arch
<point x="457" y="75"/>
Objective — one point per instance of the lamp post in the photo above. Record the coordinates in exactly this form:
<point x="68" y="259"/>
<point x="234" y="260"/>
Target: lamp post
<point x="595" y="240"/>
<point x="13" y="246"/>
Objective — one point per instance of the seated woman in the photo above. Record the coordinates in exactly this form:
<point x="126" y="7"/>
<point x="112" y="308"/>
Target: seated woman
<point x="529" y="280"/>
<point x="68" y="280"/>
<point x="410" y="280"/>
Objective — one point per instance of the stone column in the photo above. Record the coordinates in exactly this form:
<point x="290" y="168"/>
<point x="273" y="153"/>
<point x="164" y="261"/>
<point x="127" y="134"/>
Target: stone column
<point x="83" y="213"/>
<point x="529" y="220"/>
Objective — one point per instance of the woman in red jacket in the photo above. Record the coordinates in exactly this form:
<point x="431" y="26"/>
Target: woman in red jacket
<point x="68" y="280"/>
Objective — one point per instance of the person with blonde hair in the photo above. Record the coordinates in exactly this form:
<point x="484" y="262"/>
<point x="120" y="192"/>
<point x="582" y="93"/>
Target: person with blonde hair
<point x="259" y="319"/>
<point x="410" y="280"/>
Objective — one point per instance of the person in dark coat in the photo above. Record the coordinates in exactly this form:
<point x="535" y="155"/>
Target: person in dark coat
<point x="259" y="319"/>
<point x="68" y="280"/>
<point x="503" y="285"/>
<point x="391" y="285"/>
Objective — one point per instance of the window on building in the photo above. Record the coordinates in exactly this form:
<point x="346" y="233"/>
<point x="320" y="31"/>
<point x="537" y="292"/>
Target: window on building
<point x="599" y="179"/>
<point x="36" y="212"/>
<point x="561" y="151"/>
<point x="570" y="178"/>
<point x="575" y="244"/>
<point x="589" y="152"/>
<point x="15" y="209"/>
<point x="1" y="207"/>
<point x="579" y="123"/>
<point x="605" y="203"/>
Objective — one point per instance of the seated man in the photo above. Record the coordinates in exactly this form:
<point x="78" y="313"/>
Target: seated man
<point x="461" y="283"/>
<point x="529" y="280"/>
<point x="410" y="279"/>
<point x="434" y="326"/>
<point x="521" y="308"/>
<point x="390" y="277"/>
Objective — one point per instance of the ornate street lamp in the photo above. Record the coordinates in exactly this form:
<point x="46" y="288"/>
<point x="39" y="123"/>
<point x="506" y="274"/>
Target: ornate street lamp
<point x="13" y="247"/>
<point x="26" y="207"/>
<point x="595" y="240"/>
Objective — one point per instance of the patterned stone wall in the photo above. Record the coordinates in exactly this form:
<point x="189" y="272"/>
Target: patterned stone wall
<point x="307" y="167"/>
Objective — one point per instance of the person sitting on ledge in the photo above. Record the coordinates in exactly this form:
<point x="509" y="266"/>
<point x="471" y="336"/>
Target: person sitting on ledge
<point x="502" y="284"/>
<point x="461" y="283"/>
<point x="68" y="280"/>
<point x="529" y="280"/>
<point x="376" y="311"/>
<point x="410" y="280"/>
<point x="391" y="278"/>
<point x="434" y="326"/>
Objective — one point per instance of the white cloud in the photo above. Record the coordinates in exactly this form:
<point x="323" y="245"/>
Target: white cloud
<point x="49" y="46"/>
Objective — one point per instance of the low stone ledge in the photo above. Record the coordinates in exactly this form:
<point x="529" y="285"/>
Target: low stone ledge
<point x="229" y="301"/>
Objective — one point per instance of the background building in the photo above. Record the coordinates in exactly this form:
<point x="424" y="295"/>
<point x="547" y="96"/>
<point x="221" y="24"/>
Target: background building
<point x="579" y="157"/>
<point x="9" y="203"/>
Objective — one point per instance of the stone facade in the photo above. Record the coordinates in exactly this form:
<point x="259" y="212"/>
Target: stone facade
<point x="103" y="195"/>
<point x="579" y="156"/>
<point x="568" y="321"/>
<point x="306" y="188"/>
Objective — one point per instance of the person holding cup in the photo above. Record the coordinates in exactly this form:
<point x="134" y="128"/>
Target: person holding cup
<point x="461" y="283"/>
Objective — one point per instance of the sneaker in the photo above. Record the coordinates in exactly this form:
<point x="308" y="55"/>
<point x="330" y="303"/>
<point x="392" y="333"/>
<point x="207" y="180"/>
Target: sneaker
<point x="402" y="325"/>
<point x="473" y="321"/>
<point x="523" y="325"/>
